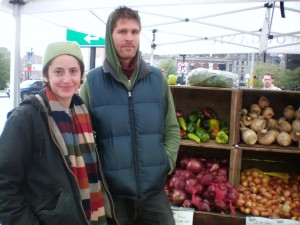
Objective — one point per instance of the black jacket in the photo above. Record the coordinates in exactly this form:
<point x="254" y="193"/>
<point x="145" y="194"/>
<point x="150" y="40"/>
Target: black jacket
<point x="36" y="185"/>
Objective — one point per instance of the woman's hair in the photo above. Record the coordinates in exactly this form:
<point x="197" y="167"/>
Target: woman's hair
<point x="124" y="12"/>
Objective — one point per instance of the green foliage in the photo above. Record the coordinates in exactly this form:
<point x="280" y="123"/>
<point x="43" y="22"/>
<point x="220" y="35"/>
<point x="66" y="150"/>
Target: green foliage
<point x="169" y="66"/>
<point x="4" y="67"/>
<point x="285" y="79"/>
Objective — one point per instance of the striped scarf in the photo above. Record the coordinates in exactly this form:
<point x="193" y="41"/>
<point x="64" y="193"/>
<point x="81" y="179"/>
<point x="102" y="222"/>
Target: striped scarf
<point x="77" y="132"/>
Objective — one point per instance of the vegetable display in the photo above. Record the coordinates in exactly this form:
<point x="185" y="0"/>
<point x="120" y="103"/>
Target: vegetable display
<point x="202" y="126"/>
<point x="212" y="78"/>
<point x="260" y="125"/>
<point x="273" y="195"/>
<point x="202" y="184"/>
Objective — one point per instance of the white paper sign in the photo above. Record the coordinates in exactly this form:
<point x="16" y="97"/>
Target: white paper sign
<point x="183" y="216"/>
<point x="266" y="221"/>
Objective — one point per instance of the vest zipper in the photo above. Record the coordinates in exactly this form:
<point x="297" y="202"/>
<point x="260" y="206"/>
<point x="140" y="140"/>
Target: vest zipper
<point x="133" y="139"/>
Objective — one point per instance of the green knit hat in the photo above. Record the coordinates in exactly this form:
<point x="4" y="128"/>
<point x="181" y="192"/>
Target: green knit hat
<point x="61" y="48"/>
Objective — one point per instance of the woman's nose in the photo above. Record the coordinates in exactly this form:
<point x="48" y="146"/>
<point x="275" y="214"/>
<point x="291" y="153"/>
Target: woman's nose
<point x="67" y="77"/>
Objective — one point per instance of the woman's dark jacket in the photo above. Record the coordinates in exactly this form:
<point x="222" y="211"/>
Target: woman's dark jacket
<point x="36" y="185"/>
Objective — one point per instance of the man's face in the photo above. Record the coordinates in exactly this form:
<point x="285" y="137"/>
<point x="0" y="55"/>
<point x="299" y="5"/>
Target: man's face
<point x="126" y="38"/>
<point x="267" y="81"/>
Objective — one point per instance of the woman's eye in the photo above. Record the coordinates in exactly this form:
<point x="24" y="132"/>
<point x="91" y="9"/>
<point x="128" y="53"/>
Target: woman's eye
<point x="74" y="71"/>
<point x="58" y="72"/>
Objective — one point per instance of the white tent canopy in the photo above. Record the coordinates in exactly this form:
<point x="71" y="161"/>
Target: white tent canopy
<point x="174" y="26"/>
<point x="182" y="27"/>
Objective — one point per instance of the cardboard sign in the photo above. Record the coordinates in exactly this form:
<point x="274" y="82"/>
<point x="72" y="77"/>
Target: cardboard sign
<point x="183" y="216"/>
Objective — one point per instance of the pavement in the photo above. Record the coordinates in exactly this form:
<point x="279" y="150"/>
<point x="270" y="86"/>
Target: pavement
<point x="3" y="94"/>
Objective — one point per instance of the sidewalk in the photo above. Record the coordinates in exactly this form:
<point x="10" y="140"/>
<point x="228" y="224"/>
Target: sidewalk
<point x="3" y="94"/>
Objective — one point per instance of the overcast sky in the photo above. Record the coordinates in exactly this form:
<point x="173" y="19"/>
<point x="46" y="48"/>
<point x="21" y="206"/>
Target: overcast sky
<point x="38" y="33"/>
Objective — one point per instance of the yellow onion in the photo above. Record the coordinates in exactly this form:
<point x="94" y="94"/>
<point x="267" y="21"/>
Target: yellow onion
<point x="295" y="136"/>
<point x="253" y="115"/>
<point x="296" y="125"/>
<point x="285" y="126"/>
<point x="255" y="108"/>
<point x="248" y="135"/>
<point x="289" y="112"/>
<point x="244" y="112"/>
<point x="263" y="102"/>
<point x="267" y="113"/>
<point x="246" y="120"/>
<point x="297" y="114"/>
<point x="272" y="123"/>
<point x="284" y="139"/>
<point x="258" y="124"/>
<point x="264" y="137"/>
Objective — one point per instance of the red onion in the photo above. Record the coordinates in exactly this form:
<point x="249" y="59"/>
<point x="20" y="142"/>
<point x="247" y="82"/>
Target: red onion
<point x="207" y="179"/>
<point x="219" y="205"/>
<point x="196" y="201"/>
<point x="186" y="174"/>
<point x="187" y="203"/>
<point x="220" y="179"/>
<point x="179" y="184"/>
<point x="214" y="167"/>
<point x="183" y="162"/>
<point x="178" y="197"/>
<point x="190" y="189"/>
<point x="194" y="165"/>
<point x="191" y="182"/>
<point x="223" y="171"/>
<point x="179" y="113"/>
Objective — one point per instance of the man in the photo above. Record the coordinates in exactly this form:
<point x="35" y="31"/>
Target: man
<point x="134" y="119"/>
<point x="267" y="80"/>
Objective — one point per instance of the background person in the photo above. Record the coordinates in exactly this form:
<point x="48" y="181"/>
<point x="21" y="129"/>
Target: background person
<point x="137" y="133"/>
<point x="50" y="172"/>
<point x="267" y="80"/>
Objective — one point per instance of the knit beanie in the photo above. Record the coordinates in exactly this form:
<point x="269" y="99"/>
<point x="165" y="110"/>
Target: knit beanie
<point x="61" y="48"/>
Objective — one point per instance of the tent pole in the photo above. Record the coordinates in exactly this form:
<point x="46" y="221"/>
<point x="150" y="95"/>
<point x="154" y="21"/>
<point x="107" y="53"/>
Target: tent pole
<point x="15" y="60"/>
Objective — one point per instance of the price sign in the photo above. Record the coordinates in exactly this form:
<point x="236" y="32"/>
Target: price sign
<point x="266" y="221"/>
<point x="183" y="216"/>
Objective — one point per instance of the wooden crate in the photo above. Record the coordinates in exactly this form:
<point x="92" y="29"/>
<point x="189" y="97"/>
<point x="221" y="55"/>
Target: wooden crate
<point x="234" y="156"/>
<point x="234" y="167"/>
<point x="271" y="161"/>
<point x="203" y="218"/>
<point x="278" y="101"/>
<point x="221" y="100"/>
<point x="227" y="103"/>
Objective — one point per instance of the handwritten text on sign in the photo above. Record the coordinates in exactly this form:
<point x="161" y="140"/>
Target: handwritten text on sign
<point x="183" y="216"/>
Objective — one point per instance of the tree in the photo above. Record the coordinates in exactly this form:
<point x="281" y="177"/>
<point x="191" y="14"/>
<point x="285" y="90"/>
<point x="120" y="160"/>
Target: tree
<point x="4" y="67"/>
<point x="169" y="66"/>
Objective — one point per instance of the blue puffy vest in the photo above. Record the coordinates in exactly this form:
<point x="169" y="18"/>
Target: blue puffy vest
<point x="129" y="133"/>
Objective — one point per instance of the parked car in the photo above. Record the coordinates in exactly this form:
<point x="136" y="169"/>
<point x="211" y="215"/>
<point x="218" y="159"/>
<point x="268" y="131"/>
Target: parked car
<point x="28" y="87"/>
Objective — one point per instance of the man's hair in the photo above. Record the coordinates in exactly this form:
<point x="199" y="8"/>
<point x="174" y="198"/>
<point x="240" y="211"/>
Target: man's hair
<point x="269" y="74"/>
<point x="124" y="12"/>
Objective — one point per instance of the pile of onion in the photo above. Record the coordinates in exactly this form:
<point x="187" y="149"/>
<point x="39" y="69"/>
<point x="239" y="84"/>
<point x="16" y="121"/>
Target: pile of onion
<point x="269" y="196"/>
<point x="201" y="184"/>
<point x="259" y="119"/>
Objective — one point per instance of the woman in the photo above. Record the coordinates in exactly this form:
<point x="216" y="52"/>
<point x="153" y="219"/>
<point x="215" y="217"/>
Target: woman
<point x="49" y="167"/>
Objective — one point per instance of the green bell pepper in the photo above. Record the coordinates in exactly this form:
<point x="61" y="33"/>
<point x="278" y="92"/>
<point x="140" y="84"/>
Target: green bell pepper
<point x="202" y="134"/>
<point x="222" y="138"/>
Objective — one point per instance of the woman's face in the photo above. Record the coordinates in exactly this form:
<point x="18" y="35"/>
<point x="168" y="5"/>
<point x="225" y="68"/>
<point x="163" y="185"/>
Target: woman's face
<point x="64" y="76"/>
